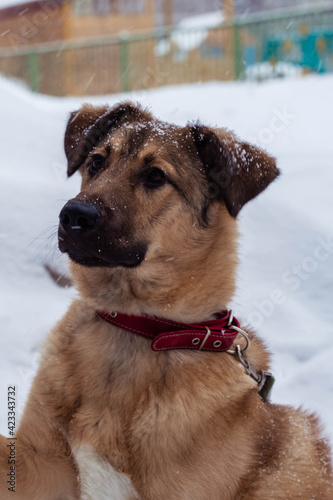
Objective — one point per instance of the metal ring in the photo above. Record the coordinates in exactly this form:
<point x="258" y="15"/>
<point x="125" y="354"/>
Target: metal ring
<point x="217" y="343"/>
<point x="195" y="341"/>
<point x="245" y="335"/>
<point x="113" y="314"/>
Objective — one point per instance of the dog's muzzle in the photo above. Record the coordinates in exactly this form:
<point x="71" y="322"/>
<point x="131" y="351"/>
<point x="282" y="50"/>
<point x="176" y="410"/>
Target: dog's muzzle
<point x="78" y="222"/>
<point x="90" y="237"/>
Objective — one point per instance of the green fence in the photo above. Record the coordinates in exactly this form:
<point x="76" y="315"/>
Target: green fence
<point x="254" y="47"/>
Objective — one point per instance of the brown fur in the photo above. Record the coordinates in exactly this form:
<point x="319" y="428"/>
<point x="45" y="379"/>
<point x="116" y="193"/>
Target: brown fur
<point x="181" y="425"/>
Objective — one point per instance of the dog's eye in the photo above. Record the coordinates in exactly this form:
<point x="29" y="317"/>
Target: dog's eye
<point x="154" y="178"/>
<point x="97" y="163"/>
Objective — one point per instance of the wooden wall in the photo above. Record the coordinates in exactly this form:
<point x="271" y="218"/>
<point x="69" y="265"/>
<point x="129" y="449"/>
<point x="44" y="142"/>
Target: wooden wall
<point x="111" y="24"/>
<point x="50" y="20"/>
<point x="31" y="23"/>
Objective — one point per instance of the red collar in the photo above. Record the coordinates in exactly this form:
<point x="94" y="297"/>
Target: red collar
<point x="216" y="335"/>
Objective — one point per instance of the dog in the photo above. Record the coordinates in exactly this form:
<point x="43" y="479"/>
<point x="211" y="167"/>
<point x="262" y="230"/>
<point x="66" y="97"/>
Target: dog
<point x="141" y="393"/>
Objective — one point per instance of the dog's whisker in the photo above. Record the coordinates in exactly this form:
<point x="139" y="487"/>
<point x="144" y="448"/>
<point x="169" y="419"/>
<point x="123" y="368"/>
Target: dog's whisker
<point x="44" y="243"/>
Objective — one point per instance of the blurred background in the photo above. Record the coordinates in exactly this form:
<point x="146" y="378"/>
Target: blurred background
<point x="93" y="47"/>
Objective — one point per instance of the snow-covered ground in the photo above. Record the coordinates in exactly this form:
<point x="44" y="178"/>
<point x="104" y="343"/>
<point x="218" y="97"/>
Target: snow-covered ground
<point x="286" y="273"/>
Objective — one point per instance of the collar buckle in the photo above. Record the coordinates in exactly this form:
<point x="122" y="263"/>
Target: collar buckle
<point x="205" y="338"/>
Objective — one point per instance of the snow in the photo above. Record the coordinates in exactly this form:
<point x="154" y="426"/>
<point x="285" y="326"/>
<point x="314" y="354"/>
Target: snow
<point x="208" y="20"/>
<point x="12" y="3"/>
<point x="265" y="70"/>
<point x="286" y="272"/>
<point x="189" y="33"/>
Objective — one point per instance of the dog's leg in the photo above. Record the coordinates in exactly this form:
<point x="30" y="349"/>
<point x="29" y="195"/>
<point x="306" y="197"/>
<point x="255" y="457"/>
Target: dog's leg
<point x="36" y="464"/>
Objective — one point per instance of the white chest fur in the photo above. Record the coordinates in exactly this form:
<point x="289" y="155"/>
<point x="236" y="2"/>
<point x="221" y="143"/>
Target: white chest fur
<point x="98" y="479"/>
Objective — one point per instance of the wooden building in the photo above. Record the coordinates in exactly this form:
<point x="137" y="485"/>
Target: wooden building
<point x="42" y="21"/>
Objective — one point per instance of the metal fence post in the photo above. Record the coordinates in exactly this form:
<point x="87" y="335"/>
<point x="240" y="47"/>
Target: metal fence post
<point x="124" y="64"/>
<point x="33" y="71"/>
<point x="237" y="53"/>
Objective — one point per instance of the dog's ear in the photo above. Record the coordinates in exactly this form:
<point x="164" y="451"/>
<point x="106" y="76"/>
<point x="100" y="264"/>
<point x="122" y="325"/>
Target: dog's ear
<point x="87" y="127"/>
<point x="76" y="133"/>
<point x="237" y="171"/>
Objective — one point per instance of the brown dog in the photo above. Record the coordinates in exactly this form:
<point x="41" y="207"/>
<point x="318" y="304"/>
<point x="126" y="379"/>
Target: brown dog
<point x="153" y="232"/>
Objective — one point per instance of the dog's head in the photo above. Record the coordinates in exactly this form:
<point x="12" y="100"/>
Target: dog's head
<point x="158" y="205"/>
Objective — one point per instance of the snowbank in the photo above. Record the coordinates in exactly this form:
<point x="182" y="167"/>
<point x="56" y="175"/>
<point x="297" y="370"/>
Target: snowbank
<point x="189" y="33"/>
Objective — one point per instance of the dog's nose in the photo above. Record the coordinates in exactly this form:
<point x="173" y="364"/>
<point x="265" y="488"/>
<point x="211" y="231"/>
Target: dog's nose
<point x="77" y="216"/>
